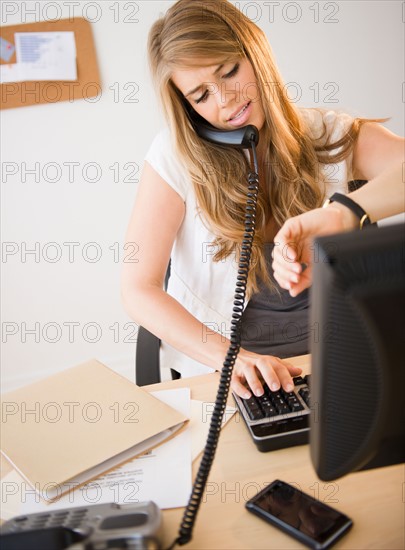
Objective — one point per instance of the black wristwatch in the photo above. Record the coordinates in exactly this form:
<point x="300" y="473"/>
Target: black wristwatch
<point x="351" y="205"/>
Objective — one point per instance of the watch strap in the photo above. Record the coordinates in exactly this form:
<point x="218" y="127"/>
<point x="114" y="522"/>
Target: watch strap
<point x="357" y="210"/>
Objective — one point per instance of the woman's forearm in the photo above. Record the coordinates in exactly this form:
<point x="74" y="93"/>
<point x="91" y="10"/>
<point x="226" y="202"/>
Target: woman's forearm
<point x="384" y="195"/>
<point x="381" y="197"/>
<point x="161" y="314"/>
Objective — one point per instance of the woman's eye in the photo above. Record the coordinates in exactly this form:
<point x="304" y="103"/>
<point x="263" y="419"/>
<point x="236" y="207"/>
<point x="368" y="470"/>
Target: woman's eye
<point x="233" y="71"/>
<point x="203" y="97"/>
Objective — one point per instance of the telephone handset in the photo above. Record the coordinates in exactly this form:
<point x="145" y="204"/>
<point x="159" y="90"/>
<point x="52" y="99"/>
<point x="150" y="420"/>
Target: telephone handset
<point x="241" y="137"/>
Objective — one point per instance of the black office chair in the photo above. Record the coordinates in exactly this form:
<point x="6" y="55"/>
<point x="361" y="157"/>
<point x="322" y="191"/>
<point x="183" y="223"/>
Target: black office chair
<point x="147" y="356"/>
<point x="353" y="185"/>
<point x="147" y="362"/>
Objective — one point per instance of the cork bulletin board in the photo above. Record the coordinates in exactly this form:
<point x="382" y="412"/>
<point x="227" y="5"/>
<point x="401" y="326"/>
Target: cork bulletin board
<point x="87" y="85"/>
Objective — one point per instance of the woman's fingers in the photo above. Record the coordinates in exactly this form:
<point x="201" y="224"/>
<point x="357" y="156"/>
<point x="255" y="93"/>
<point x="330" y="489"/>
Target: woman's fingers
<point x="293" y="244"/>
<point x="255" y="368"/>
<point x="247" y="374"/>
<point x="304" y="282"/>
<point x="286" y="276"/>
<point x="294" y="276"/>
<point x="286" y="267"/>
<point x="239" y="388"/>
<point x="280" y="375"/>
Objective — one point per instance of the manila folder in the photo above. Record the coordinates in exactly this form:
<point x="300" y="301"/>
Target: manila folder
<point x="66" y="429"/>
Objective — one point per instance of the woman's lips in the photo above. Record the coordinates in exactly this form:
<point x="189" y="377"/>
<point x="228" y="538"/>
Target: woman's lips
<point x="241" y="116"/>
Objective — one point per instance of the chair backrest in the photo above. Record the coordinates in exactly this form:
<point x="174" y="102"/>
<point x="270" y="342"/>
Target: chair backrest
<point x="147" y="363"/>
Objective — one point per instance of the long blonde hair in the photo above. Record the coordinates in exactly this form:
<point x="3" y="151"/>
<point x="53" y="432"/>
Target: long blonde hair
<point x="192" y="30"/>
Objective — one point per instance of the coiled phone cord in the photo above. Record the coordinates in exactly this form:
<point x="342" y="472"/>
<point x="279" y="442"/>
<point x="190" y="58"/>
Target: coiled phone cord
<point x="190" y="513"/>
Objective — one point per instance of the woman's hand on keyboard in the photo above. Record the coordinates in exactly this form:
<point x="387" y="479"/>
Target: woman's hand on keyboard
<point x="252" y="368"/>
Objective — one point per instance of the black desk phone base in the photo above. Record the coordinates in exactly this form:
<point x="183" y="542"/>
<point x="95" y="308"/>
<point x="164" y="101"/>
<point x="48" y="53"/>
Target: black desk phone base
<point x="97" y="527"/>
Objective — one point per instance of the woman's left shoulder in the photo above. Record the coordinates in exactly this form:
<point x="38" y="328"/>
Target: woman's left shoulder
<point x="318" y="116"/>
<point x="326" y="123"/>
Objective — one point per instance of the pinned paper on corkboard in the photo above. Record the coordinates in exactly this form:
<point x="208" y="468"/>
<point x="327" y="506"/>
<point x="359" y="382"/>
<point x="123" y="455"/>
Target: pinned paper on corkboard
<point x="34" y="92"/>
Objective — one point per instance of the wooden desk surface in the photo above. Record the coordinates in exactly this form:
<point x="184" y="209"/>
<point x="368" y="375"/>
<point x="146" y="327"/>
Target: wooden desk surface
<point x="373" y="499"/>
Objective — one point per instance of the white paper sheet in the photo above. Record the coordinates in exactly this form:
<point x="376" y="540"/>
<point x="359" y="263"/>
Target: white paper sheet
<point x="10" y="73"/>
<point x="46" y="55"/>
<point x="201" y="413"/>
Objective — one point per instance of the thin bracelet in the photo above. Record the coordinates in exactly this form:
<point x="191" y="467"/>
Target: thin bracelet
<point x="351" y="205"/>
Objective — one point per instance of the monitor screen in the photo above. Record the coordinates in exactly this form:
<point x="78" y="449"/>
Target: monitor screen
<point x="358" y="360"/>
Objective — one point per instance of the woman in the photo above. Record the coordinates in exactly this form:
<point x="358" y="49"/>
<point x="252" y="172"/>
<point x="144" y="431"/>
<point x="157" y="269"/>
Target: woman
<point x="209" y="60"/>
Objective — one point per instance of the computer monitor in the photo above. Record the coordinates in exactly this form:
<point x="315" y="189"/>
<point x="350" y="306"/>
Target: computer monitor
<point x="358" y="362"/>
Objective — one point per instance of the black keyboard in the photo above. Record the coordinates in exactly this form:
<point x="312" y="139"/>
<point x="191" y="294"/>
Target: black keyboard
<point x="278" y="419"/>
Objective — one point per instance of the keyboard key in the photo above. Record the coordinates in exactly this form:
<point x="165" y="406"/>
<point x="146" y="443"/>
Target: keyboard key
<point x="250" y="403"/>
<point x="255" y="414"/>
<point x="294" y="404"/>
<point x="253" y="409"/>
<point x="304" y="393"/>
<point x="269" y="410"/>
<point x="297" y="407"/>
<point x="282" y="409"/>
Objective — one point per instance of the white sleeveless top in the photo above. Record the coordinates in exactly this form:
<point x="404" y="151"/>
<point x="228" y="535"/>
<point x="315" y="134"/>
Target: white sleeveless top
<point x="204" y="287"/>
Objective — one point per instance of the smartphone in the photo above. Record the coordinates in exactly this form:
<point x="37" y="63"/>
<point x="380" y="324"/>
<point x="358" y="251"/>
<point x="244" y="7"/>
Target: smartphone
<point x="308" y="520"/>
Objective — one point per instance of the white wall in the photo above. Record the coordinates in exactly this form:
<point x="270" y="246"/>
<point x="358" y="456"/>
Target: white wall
<point x="348" y="52"/>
